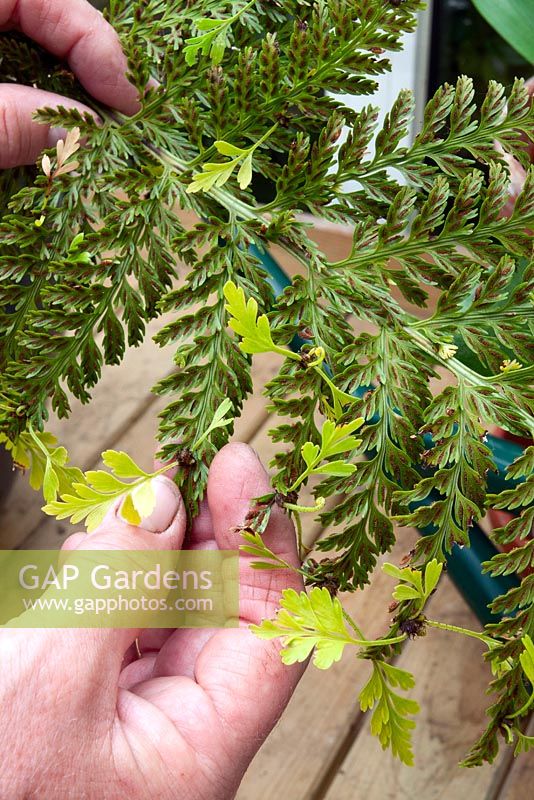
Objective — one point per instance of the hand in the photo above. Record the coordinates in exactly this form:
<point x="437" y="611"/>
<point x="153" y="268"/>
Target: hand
<point x="517" y="172"/>
<point x="77" y="33"/>
<point x="84" y="718"/>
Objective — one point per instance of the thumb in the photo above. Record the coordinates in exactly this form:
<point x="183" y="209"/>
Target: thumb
<point x="163" y="529"/>
<point x="22" y="138"/>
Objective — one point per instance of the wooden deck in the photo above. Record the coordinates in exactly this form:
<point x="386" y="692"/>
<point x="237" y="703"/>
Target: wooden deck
<point x="322" y="748"/>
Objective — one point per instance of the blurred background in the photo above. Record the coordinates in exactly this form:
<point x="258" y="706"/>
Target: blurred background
<point x="452" y="38"/>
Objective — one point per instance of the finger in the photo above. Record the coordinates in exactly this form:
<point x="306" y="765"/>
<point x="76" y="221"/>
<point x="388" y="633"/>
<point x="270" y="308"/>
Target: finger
<point x="22" y="138"/>
<point x="243" y="676"/>
<point x="159" y="464"/>
<point x="73" y="542"/>
<point x="201" y="532"/>
<point x="238" y="676"/>
<point x="236" y="477"/>
<point x="164" y="529"/>
<point x="77" y="33"/>
<point x="176" y="649"/>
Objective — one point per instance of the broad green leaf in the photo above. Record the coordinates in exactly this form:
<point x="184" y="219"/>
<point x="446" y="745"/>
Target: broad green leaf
<point x="524" y="743"/>
<point x="371" y="692"/>
<point x="37" y="470"/>
<point x="129" y="512"/>
<point x="392" y="570"/>
<point x="50" y="482"/>
<point x="191" y="52"/>
<point x="255" y="331"/>
<point x="327" y="652"/>
<point x="255" y="546"/>
<point x="527" y="658"/>
<point x="104" y="481"/>
<point x="218" y="47"/>
<point x="100" y="491"/>
<point x="390" y="721"/>
<point x="76" y="242"/>
<point x="513" y="20"/>
<point x="208" y="24"/>
<point x="296" y="650"/>
<point x="336" y="439"/>
<point x="398" y="677"/>
<point x="19" y="453"/>
<point x="219" y="418"/>
<point x="47" y="463"/>
<point x="94" y="518"/>
<point x="213" y="174"/>
<point x="305" y="622"/>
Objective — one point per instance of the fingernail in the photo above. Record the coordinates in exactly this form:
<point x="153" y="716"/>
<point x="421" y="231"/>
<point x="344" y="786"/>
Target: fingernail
<point x="168" y="501"/>
<point x="54" y="135"/>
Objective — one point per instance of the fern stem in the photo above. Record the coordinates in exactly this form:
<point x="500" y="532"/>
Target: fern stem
<point x="445" y="626"/>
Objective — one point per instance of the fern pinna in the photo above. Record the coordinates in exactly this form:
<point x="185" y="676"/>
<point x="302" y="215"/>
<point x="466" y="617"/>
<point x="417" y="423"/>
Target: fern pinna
<point x="91" y="239"/>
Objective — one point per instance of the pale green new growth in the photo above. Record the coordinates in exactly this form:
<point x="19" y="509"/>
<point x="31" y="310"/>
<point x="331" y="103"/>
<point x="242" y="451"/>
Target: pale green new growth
<point x="220" y="420"/>
<point x="212" y="39"/>
<point x="313" y="621"/>
<point x="415" y="586"/>
<point x="335" y="440"/>
<point x="216" y="174"/>
<point x="47" y="462"/>
<point x="254" y="330"/>
<point x="92" y="244"/>
<point x="527" y="658"/>
<point x="267" y="558"/>
<point x="390" y="721"/>
<point x="523" y="743"/>
<point x="98" y="492"/>
<point x="257" y="338"/>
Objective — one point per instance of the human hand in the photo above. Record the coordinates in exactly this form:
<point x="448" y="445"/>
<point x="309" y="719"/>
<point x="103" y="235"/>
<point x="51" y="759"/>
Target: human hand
<point x="84" y="718"/>
<point x="516" y="170"/>
<point x="77" y="33"/>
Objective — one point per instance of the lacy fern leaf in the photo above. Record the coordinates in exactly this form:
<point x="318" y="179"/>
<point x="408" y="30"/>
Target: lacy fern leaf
<point x="391" y="719"/>
<point x="94" y="246"/>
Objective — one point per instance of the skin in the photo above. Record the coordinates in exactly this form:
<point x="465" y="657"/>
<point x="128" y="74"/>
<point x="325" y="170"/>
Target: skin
<point x="78" y="34"/>
<point x="84" y="716"/>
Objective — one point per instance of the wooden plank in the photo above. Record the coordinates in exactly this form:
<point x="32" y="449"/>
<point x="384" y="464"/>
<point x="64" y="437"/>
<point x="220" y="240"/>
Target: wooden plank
<point x="451" y="679"/>
<point x="323" y="710"/>
<point x="121" y="395"/>
<point x="139" y="440"/>
<point x="520" y="776"/>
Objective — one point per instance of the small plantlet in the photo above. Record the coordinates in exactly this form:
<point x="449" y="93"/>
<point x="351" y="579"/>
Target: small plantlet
<point x="90" y="240"/>
<point x="92" y="497"/>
